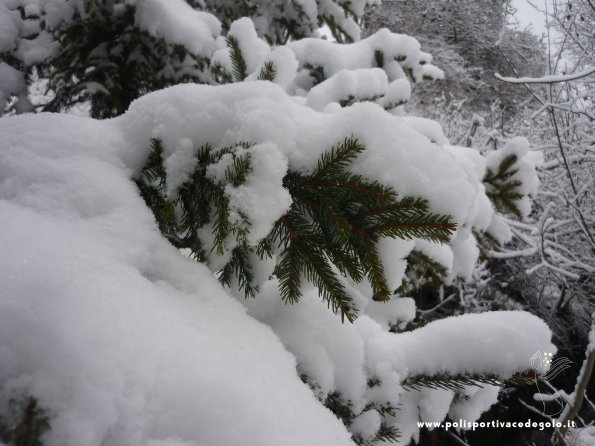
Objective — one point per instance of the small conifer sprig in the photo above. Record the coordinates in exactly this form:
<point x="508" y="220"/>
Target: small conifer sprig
<point x="459" y="382"/>
<point x="238" y="63"/>
<point x="338" y="217"/>
<point x="331" y="230"/>
<point x="503" y="189"/>
<point x="486" y="242"/>
<point x="239" y="68"/>
<point x="201" y="202"/>
<point x="344" y="410"/>
<point x="25" y="424"/>
<point x="422" y="273"/>
<point x="268" y="72"/>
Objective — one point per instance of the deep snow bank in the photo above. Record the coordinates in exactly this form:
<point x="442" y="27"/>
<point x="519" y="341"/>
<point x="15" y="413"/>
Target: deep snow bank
<point x="121" y="339"/>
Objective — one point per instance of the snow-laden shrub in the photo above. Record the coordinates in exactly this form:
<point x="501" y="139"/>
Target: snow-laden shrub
<point x="121" y="339"/>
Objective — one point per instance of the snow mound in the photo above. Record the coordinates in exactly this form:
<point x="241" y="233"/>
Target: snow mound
<point x="121" y="339"/>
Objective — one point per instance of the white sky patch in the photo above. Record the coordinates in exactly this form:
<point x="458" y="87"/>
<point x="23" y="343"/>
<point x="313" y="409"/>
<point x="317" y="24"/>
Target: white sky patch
<point x="531" y="13"/>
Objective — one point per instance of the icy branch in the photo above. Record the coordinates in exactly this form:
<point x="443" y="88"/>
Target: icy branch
<point x="551" y="79"/>
<point x="576" y="398"/>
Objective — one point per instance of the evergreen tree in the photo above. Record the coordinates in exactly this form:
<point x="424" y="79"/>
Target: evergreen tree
<point x="470" y="41"/>
<point x="105" y="52"/>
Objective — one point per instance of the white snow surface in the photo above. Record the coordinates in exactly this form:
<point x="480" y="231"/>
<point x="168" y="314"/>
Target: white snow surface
<point x="582" y="436"/>
<point x="361" y="84"/>
<point x="178" y="22"/>
<point x="11" y="82"/>
<point x="9" y="28"/>
<point x="499" y="342"/>
<point x="121" y="339"/>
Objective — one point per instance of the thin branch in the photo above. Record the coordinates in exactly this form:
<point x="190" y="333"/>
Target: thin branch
<point x="550" y="79"/>
<point x="571" y="410"/>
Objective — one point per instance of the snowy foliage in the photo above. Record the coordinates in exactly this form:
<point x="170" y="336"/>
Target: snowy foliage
<point x="127" y="313"/>
<point x="125" y="49"/>
<point x="121" y="339"/>
<point x="470" y="40"/>
<point x="557" y="246"/>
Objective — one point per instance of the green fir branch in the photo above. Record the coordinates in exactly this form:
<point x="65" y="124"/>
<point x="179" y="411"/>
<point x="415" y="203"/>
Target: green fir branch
<point x="422" y="273"/>
<point x="289" y="275"/>
<point x="25" y="424"/>
<point x="337" y="218"/>
<point x="239" y="267"/>
<point x="343" y="409"/>
<point x="268" y="72"/>
<point x="220" y="74"/>
<point x="459" y="382"/>
<point x="375" y="273"/>
<point x="238" y="63"/>
<point x="486" y="242"/>
<point x="316" y="72"/>
<point x="449" y="382"/>
<point x="387" y="433"/>
<point x="202" y="202"/>
<point x="338" y="158"/>
<point x="350" y="100"/>
<point x="332" y="228"/>
<point x="502" y="189"/>
<point x="435" y="228"/>
<point x="237" y="172"/>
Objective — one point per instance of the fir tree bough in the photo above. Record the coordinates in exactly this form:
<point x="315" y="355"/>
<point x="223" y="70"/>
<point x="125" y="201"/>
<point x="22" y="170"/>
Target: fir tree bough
<point x="447" y="381"/>
<point x="502" y="188"/>
<point x="331" y="230"/>
<point x="25" y="424"/>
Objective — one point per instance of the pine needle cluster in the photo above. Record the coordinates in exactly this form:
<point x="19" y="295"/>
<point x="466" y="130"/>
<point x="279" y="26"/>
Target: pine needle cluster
<point x="107" y="60"/>
<point x="343" y="409"/>
<point x="336" y="220"/>
<point x="331" y="230"/>
<point x="422" y="274"/>
<point x="25" y="424"/>
<point x="239" y="67"/>
<point x="201" y="202"/>
<point x="458" y="382"/>
<point x="502" y="188"/>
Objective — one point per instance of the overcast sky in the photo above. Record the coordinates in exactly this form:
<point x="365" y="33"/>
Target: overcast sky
<point x="528" y="15"/>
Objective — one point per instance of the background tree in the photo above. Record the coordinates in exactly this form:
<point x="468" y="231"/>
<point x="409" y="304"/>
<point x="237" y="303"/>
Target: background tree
<point x="470" y="40"/>
<point x="121" y="55"/>
<point x="557" y="250"/>
<point x="548" y="266"/>
<point x="560" y="243"/>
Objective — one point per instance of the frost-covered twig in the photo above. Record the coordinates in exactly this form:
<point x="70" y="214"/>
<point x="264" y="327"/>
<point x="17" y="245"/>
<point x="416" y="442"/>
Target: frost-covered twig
<point x="534" y="410"/>
<point x="550" y="79"/>
<point x="575" y="401"/>
<point x="458" y="439"/>
<point x="441" y="304"/>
